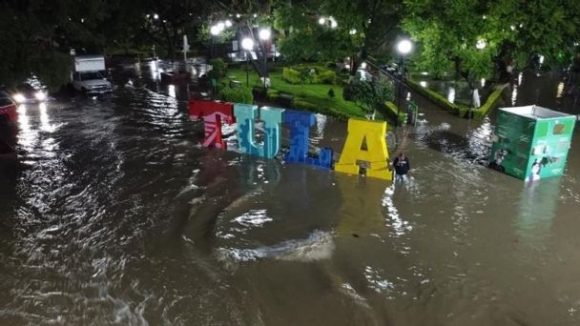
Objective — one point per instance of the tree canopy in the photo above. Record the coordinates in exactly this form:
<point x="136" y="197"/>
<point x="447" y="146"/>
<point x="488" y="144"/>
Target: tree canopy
<point x="470" y="35"/>
<point x="447" y="32"/>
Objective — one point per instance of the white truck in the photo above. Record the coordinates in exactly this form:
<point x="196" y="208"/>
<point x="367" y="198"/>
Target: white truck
<point x="87" y="77"/>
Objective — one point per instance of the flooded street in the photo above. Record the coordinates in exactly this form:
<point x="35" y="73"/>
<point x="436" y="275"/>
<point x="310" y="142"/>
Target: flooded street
<point x="114" y="215"/>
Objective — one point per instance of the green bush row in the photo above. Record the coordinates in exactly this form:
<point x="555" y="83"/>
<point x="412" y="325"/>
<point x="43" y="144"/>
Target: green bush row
<point x="291" y="76"/>
<point x="303" y="74"/>
<point x="435" y="97"/>
<point x="491" y="102"/>
<point x="459" y="109"/>
<point x="240" y="94"/>
<point x="392" y="110"/>
<point x="218" y="69"/>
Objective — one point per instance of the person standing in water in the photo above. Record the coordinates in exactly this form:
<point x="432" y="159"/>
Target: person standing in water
<point x="402" y="166"/>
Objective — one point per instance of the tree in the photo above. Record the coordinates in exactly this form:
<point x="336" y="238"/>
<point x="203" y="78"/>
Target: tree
<point x="372" y="25"/>
<point x="359" y="27"/>
<point x="511" y="29"/>
<point x="369" y="94"/>
<point x="457" y="37"/>
<point x="537" y="27"/>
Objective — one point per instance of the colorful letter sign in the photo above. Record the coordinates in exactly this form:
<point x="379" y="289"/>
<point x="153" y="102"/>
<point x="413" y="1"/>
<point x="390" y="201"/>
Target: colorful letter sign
<point x="365" y="145"/>
<point x="374" y="156"/>
<point x="212" y="113"/>
<point x="299" y="123"/>
<point x="247" y="115"/>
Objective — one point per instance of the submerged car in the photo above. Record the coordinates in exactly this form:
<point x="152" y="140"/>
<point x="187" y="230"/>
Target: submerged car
<point x="7" y="107"/>
<point x="31" y="91"/>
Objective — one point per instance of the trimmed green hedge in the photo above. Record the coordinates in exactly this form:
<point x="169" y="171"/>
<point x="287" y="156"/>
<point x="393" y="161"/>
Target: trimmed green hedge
<point x="303" y="104"/>
<point x="392" y="111"/>
<point x="435" y="97"/>
<point x="308" y="74"/>
<point x="459" y="109"/>
<point x="312" y="97"/>
<point x="491" y="102"/>
<point x="327" y="77"/>
<point x="240" y="94"/>
<point x="291" y="76"/>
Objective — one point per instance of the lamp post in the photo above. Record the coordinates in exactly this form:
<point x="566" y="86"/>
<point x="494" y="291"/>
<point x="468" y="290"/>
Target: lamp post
<point x="214" y="31"/>
<point x="248" y="45"/>
<point x="265" y="34"/>
<point x="404" y="47"/>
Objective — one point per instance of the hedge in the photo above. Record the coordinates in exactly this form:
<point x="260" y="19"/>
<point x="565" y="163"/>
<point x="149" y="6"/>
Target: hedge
<point x="393" y="110"/>
<point x="435" y="97"/>
<point x="291" y="76"/>
<point x="459" y="109"/>
<point x="491" y="102"/>
<point x="240" y="94"/>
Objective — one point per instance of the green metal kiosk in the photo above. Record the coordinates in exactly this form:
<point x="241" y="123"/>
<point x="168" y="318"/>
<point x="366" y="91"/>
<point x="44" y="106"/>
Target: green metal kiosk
<point x="531" y="142"/>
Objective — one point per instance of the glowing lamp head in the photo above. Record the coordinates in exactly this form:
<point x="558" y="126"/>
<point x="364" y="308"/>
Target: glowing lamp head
<point x="265" y="34"/>
<point x="214" y="30"/>
<point x="404" y="46"/>
<point x="247" y="44"/>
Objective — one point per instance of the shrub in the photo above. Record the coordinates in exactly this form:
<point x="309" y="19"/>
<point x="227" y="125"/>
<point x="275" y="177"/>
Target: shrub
<point x="302" y="104"/>
<point x="241" y="94"/>
<point x="331" y="65"/>
<point x="348" y="92"/>
<point x="291" y="76"/>
<point x="327" y="77"/>
<point x="272" y="95"/>
<point x="331" y="93"/>
<point x="218" y="69"/>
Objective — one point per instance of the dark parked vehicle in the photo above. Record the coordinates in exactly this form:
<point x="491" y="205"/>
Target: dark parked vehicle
<point x="7" y="107"/>
<point x="8" y="127"/>
<point x="31" y="91"/>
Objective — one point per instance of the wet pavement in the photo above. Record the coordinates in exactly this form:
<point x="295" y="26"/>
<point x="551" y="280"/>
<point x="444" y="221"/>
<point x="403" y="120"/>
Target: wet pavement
<point x="113" y="214"/>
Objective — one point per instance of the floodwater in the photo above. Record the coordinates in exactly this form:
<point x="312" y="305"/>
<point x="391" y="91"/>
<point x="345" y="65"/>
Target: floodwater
<point x="114" y="215"/>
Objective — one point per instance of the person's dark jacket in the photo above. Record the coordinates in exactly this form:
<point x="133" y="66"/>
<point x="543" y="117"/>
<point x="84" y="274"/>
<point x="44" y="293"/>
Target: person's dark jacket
<point x="402" y="166"/>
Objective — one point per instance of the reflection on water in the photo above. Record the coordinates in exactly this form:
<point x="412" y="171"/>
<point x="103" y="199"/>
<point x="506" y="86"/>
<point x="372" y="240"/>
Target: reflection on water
<point x="116" y="215"/>
<point x="537" y="209"/>
<point x="451" y="95"/>
<point x="171" y="91"/>
<point x="560" y="90"/>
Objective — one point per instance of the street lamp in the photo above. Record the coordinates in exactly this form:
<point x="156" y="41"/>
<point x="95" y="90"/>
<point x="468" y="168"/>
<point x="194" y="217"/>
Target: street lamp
<point x="333" y="23"/>
<point x="214" y="31"/>
<point x="248" y="45"/>
<point x="265" y="34"/>
<point x="404" y="47"/>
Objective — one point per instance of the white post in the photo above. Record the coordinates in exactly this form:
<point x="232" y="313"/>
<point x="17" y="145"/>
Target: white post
<point x="185" y="48"/>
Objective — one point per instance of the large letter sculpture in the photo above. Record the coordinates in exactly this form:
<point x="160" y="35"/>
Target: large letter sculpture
<point x="299" y="123"/>
<point x="375" y="155"/>
<point x="246" y="115"/>
<point x="213" y="114"/>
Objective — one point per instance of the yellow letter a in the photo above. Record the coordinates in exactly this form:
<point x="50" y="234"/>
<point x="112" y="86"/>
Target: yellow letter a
<point x="375" y="156"/>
